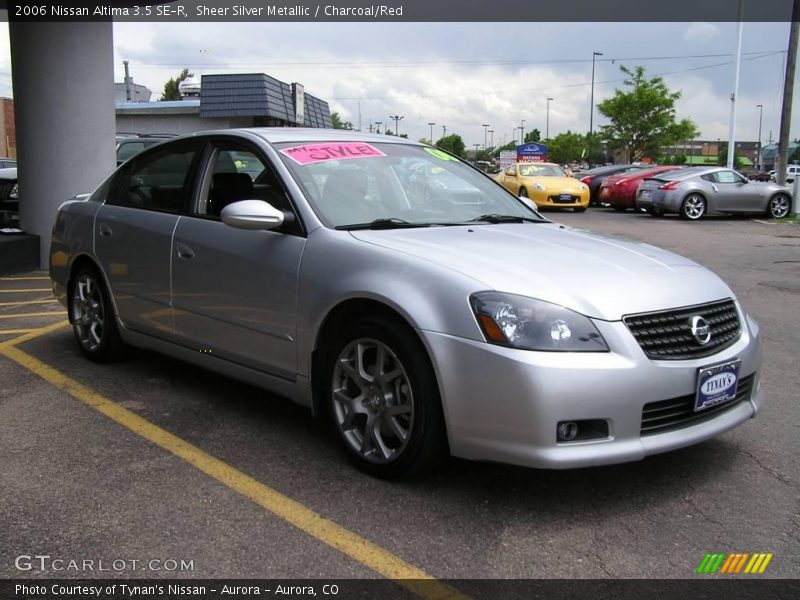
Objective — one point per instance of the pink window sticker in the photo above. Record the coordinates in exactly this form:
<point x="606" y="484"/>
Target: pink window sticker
<point x="312" y="153"/>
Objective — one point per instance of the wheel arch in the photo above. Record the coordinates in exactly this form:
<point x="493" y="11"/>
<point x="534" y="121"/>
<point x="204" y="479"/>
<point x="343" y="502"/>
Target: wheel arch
<point x="337" y="319"/>
<point x="85" y="260"/>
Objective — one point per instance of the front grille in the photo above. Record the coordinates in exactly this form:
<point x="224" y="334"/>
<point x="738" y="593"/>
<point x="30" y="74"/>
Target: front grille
<point x="557" y="199"/>
<point x="667" y="335"/>
<point x="675" y="413"/>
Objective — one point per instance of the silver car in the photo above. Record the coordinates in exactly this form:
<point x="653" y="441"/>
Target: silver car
<point x="699" y="191"/>
<point x="421" y="318"/>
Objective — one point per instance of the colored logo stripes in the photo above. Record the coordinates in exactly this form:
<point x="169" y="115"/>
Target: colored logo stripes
<point x="734" y="563"/>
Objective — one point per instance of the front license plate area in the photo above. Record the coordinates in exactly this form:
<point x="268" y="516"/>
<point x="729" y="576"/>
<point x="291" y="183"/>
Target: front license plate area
<point x="717" y="385"/>
<point x="565" y="198"/>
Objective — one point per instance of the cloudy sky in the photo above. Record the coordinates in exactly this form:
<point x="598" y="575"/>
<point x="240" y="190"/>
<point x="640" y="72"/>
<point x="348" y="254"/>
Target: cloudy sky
<point x="462" y="75"/>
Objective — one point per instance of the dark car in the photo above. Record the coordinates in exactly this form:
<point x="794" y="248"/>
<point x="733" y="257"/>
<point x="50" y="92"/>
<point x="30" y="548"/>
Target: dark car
<point x="759" y="176"/>
<point x="130" y="144"/>
<point x="594" y="177"/>
<point x="9" y="196"/>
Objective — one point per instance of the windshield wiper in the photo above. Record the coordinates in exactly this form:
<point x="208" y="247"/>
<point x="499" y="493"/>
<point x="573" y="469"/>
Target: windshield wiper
<point x="390" y="223"/>
<point x="498" y="218"/>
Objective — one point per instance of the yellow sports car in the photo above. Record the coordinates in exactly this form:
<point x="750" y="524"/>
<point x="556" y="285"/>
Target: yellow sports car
<point x="547" y="184"/>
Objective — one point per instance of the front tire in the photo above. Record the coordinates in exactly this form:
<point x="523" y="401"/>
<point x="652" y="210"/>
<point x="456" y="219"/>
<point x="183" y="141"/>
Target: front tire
<point x="92" y="316"/>
<point x="579" y="209"/>
<point x="383" y="399"/>
<point x="523" y="193"/>
<point x="693" y="207"/>
<point x="779" y="206"/>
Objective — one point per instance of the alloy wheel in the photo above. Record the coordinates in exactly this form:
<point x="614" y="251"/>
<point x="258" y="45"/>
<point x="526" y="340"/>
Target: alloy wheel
<point x="373" y="403"/>
<point x="694" y="207"/>
<point x="779" y="206"/>
<point x="88" y="312"/>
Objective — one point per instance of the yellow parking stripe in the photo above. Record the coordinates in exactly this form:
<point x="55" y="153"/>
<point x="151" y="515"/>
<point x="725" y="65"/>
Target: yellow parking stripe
<point x="24" y="278"/>
<point x="23" y="290"/>
<point x="25" y="315"/>
<point x="25" y="302"/>
<point x="33" y="334"/>
<point x="351" y="544"/>
<point x="762" y="567"/>
<point x="9" y="331"/>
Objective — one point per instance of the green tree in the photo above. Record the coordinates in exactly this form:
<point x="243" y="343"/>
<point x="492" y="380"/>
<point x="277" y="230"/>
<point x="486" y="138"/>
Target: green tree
<point x="534" y="135"/>
<point x="643" y="117"/>
<point x="453" y="144"/>
<point x="171" y="91"/>
<point x="566" y="147"/>
<point x="338" y="123"/>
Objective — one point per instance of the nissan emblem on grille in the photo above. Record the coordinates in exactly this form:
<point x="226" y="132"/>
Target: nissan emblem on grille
<point x="700" y="330"/>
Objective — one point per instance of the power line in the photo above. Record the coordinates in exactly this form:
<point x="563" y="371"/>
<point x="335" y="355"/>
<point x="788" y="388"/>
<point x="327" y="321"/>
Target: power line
<point x="506" y="91"/>
<point x="419" y="63"/>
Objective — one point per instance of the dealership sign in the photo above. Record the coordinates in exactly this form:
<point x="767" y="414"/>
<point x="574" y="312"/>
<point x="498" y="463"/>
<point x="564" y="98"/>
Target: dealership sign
<point x="532" y="152"/>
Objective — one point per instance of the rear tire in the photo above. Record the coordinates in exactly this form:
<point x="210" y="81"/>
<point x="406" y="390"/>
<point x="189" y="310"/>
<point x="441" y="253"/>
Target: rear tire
<point x="383" y="400"/>
<point x="693" y="207"/>
<point x="93" y="320"/>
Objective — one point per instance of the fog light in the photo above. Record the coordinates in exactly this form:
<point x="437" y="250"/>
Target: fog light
<point x="567" y="431"/>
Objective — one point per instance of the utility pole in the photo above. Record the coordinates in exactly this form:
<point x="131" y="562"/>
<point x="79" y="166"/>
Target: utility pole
<point x="591" y="108"/>
<point x="522" y="131"/>
<point x="444" y="130"/>
<point x="759" y="164"/>
<point x="732" y="125"/>
<point x="128" y="86"/>
<point x="547" y="126"/>
<point x="786" y="111"/>
<point x="485" y="134"/>
<point x="491" y="138"/>
<point x="378" y="126"/>
<point x="432" y="124"/>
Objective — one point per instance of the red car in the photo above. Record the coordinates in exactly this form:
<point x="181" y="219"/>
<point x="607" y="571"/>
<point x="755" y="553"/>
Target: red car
<point x="620" y="190"/>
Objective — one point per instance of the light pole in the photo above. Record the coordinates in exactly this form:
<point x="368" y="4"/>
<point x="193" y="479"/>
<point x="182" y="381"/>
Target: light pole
<point x="591" y="107"/>
<point x="444" y="130"/>
<point x="378" y="126"/>
<point x="491" y="138"/>
<point x="547" y="121"/>
<point x="485" y="134"/>
<point x="431" y="124"/>
<point x="522" y="131"/>
<point x="760" y="108"/>
<point x="396" y="119"/>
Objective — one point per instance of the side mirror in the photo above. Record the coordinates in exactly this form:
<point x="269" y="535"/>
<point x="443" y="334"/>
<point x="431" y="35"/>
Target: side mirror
<point x="252" y="214"/>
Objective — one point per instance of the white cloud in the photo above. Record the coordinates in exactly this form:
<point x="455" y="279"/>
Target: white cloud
<point x="700" y="32"/>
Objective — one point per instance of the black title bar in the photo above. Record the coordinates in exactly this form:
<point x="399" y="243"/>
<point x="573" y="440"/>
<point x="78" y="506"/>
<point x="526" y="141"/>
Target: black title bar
<point x="400" y="11"/>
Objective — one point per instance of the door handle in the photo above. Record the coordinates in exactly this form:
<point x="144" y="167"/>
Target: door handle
<point x="183" y="251"/>
<point x="714" y="187"/>
<point x="105" y="230"/>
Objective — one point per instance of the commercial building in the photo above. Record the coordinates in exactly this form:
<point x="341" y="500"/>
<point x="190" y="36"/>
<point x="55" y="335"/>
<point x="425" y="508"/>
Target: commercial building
<point x="226" y="101"/>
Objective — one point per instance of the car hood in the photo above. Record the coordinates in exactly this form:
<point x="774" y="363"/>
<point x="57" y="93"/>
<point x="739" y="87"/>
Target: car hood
<point x="555" y="184"/>
<point x="600" y="276"/>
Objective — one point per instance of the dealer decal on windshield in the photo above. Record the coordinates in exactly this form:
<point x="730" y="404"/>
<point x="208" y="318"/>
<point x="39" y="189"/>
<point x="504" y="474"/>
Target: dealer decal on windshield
<point x="305" y="155"/>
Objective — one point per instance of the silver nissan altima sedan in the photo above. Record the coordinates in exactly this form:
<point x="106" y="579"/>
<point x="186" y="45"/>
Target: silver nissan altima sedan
<point x="407" y="298"/>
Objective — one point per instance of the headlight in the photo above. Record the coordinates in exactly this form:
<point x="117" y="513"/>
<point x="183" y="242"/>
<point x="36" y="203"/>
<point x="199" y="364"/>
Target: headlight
<point x="530" y="324"/>
<point x="538" y="186"/>
<point x="14" y="191"/>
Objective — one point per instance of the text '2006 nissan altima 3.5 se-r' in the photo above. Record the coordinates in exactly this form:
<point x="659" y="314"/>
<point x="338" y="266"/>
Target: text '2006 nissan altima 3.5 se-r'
<point x="407" y="298"/>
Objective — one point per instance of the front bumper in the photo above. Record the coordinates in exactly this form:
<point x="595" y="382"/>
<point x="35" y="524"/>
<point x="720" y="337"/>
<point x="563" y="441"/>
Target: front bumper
<point x="552" y="198"/>
<point x="504" y="405"/>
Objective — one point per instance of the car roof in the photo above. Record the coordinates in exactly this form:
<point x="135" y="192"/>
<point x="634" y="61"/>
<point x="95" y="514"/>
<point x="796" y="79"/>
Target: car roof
<point x="279" y="135"/>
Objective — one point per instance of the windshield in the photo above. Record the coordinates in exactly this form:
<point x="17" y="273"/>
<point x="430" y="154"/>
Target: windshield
<point x="395" y="183"/>
<point x="541" y="171"/>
